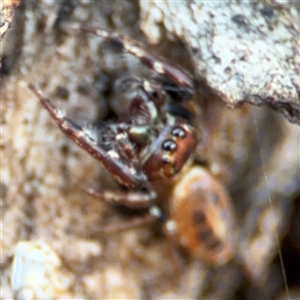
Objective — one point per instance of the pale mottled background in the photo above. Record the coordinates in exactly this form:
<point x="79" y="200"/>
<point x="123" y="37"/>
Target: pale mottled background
<point x="238" y="52"/>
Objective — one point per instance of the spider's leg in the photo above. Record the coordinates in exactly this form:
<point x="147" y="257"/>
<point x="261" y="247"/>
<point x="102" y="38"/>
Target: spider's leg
<point x="132" y="199"/>
<point x="161" y="66"/>
<point x="124" y="172"/>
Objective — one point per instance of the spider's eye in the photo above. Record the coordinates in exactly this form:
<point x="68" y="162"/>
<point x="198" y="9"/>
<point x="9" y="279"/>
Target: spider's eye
<point x="165" y="160"/>
<point x="169" y="145"/>
<point x="178" y="132"/>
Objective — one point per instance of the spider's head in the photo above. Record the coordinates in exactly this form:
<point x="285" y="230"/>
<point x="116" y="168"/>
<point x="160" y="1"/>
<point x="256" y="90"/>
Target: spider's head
<point x="170" y="152"/>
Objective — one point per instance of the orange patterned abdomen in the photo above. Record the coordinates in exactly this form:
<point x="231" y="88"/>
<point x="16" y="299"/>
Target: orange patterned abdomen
<point x="202" y="214"/>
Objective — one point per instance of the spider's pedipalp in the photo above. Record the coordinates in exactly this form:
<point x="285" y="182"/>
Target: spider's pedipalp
<point x="122" y="171"/>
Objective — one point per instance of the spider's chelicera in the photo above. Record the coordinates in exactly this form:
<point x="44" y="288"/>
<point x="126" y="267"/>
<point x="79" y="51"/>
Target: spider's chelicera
<point x="152" y="147"/>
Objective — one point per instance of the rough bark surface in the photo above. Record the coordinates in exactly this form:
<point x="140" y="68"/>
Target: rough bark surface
<point x="43" y="174"/>
<point x="245" y="52"/>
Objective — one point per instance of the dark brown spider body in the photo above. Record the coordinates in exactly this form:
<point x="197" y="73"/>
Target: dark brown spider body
<point x="152" y="141"/>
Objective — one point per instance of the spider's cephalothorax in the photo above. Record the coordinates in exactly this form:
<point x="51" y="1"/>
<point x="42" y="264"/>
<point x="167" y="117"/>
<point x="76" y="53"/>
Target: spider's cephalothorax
<point x="154" y="142"/>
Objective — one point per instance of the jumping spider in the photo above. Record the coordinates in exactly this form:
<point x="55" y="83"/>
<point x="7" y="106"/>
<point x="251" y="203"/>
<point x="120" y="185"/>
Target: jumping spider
<point x="154" y="147"/>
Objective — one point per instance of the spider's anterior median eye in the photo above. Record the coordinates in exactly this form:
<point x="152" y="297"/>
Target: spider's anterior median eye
<point x="178" y="132"/>
<point x="169" y="145"/>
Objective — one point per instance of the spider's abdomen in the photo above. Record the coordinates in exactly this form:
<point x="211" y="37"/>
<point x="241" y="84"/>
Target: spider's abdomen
<point x="201" y="211"/>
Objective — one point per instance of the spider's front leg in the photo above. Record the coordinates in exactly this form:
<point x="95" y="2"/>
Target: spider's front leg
<point x="122" y="170"/>
<point x="175" y="77"/>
